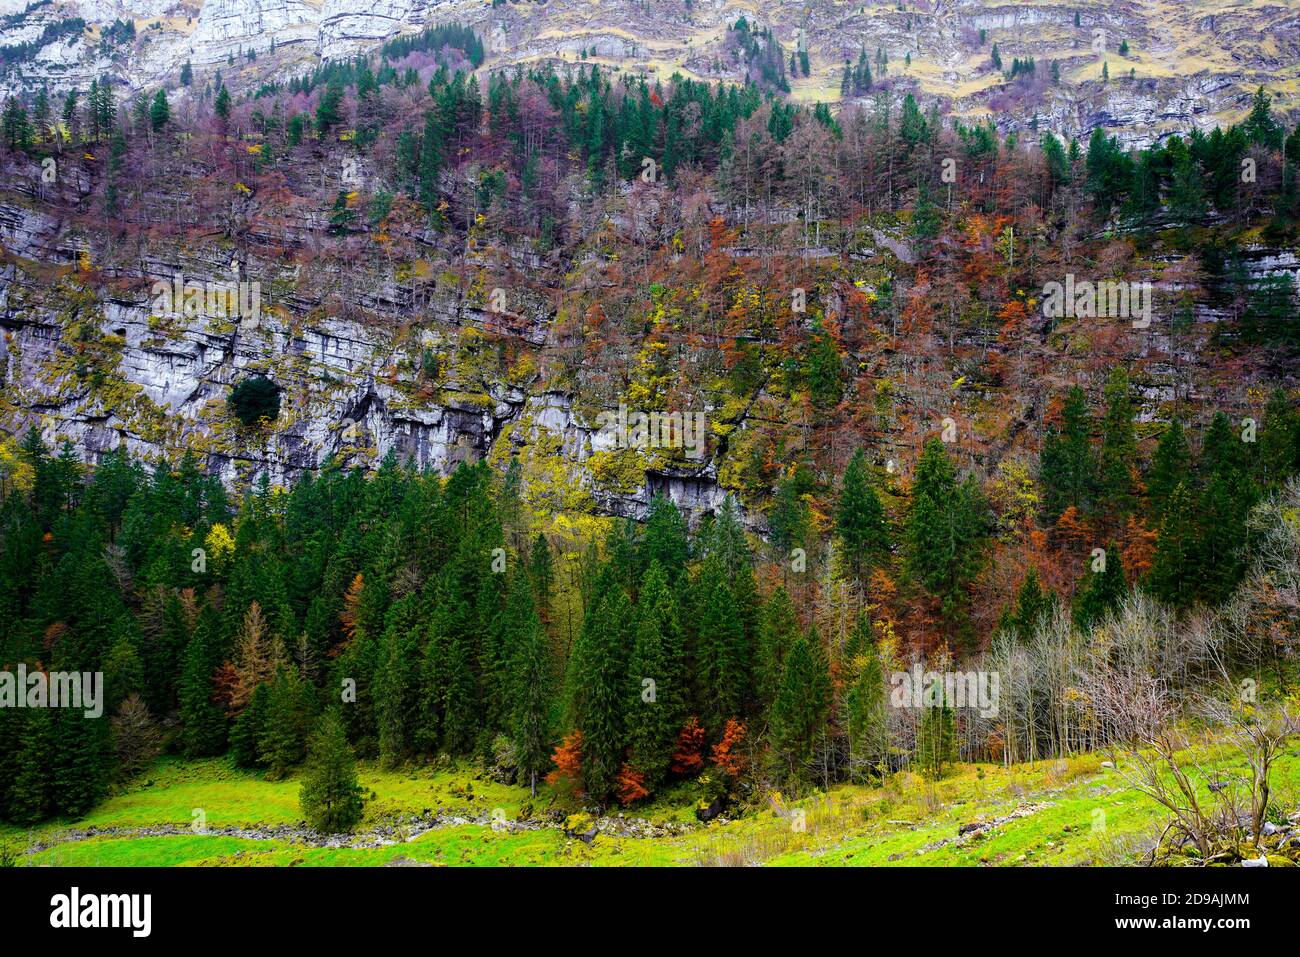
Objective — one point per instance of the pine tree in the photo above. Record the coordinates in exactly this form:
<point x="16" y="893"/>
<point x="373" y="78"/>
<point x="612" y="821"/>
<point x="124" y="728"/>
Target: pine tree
<point x="945" y="529"/>
<point x="655" y="712"/>
<point x="71" y="116"/>
<point x="664" y="540"/>
<point x="106" y="108"/>
<point x="868" y="716"/>
<point x="41" y="113"/>
<point x="461" y="721"/>
<point x="1222" y="511"/>
<point x="936" y="740"/>
<point x="222" y="102"/>
<point x="1259" y="125"/>
<point x="802" y="704"/>
<point x="330" y="797"/>
<point x="1103" y="591"/>
<point x="246" y="731"/>
<point x="430" y="162"/>
<point x="720" y="653"/>
<point x="532" y="710"/>
<point x="788" y="519"/>
<point x="123" y="673"/>
<point x="80" y="761"/>
<point x="203" y="726"/>
<point x="860" y="519"/>
<point x="541" y="571"/>
<point x="16" y="126"/>
<point x="1068" y="471"/>
<point x="777" y="634"/>
<point x="159" y="110"/>
<point x="1118" y="448"/>
<point x="396" y="691"/>
<point x="329" y="110"/>
<point x="1169" y="467"/>
<point x="286" y="723"/>
<point x="29" y="792"/>
<point x="1032" y="603"/>
<point x="605" y="678"/>
<point x="1221" y="450"/>
<point x="1173" y="576"/>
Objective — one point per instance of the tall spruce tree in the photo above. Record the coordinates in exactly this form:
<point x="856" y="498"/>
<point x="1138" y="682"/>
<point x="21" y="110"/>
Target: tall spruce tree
<point x="936" y="740"/>
<point x="203" y="725"/>
<point x="799" y="714"/>
<point x="945" y="529"/>
<point x="1068" y="468"/>
<point x="286" y="724"/>
<point x="330" y="797"/>
<point x="860" y="519"/>
<point x="80" y="761"/>
<point x="532" y="682"/>
<point x="777" y="634"/>
<point x="1103" y="590"/>
<point x="604" y="672"/>
<point x="721" y="660"/>
<point x="1032" y="603"/>
<point x="867" y="707"/>
<point x="1279" y="441"/>
<point x="29" y="795"/>
<point x="664" y="540"/>
<point x="1169" y="467"/>
<point x="1118" y="457"/>
<point x="655" y="711"/>
<point x="1174" y="575"/>
<point x="246" y="731"/>
<point x="1222" y="512"/>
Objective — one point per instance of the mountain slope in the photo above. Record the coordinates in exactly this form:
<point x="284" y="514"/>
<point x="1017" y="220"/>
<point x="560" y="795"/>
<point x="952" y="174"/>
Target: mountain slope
<point x="1192" y="65"/>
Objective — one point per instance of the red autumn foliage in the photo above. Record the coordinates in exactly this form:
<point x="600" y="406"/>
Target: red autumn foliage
<point x="1138" y="550"/>
<point x="351" y="613"/>
<point x="568" y="759"/>
<point x="53" y="633"/>
<point x="727" y="755"/>
<point x="630" y="785"/>
<point x="1073" y="531"/>
<point x="224" y="683"/>
<point x="688" y="759"/>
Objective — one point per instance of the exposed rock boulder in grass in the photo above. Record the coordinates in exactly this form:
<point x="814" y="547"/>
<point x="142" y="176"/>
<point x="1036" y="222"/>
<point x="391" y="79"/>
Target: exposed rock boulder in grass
<point x="581" y="827"/>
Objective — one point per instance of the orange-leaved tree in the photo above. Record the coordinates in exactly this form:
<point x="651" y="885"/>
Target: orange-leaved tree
<point x="568" y="762"/>
<point x="630" y="785"/>
<point x="689" y="756"/>
<point x="727" y="754"/>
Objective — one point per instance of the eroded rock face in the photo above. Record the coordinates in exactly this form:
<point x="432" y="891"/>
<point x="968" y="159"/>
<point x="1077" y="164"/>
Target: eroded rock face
<point x="339" y="398"/>
<point x="346" y="26"/>
<point x="101" y="349"/>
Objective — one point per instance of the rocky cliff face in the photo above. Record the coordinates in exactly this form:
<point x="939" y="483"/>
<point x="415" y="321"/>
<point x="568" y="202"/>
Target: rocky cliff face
<point x="1186" y="71"/>
<point x="100" y="349"/>
<point x="90" y="357"/>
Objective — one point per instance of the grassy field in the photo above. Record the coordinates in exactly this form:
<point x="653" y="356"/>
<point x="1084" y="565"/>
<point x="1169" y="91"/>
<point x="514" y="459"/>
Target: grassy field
<point x="1058" y="812"/>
